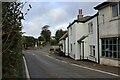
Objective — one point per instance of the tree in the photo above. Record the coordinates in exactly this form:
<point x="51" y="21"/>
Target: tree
<point x="11" y="39"/>
<point x="46" y="33"/>
<point x="59" y="33"/>
<point x="28" y="41"/>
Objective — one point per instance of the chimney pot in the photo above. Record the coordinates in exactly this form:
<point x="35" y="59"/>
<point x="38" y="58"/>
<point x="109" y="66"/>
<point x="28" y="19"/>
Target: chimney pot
<point x="80" y="11"/>
<point x="80" y="15"/>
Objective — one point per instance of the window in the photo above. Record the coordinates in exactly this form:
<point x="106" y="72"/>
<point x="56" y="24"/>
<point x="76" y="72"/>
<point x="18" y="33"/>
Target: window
<point x="71" y="47"/>
<point x="90" y="27"/>
<point x="116" y="10"/>
<point x="92" y="50"/>
<point x="110" y="48"/>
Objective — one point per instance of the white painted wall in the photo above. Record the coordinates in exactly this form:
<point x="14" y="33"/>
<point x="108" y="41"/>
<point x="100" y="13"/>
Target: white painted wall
<point x="79" y="30"/>
<point x="92" y="39"/>
<point x="109" y="27"/>
<point x="73" y="38"/>
<point x="66" y="46"/>
<point x="62" y="42"/>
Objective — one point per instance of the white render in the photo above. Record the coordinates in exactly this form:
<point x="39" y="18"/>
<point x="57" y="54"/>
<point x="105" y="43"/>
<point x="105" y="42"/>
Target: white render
<point x="61" y="47"/>
<point x="75" y="32"/>
<point x="107" y="24"/>
<point x="66" y="46"/>
<point x="92" y="39"/>
<point x="108" y="27"/>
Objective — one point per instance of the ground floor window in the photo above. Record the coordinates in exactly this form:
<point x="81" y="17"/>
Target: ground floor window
<point x="110" y="48"/>
<point x="71" y="47"/>
<point x="92" y="50"/>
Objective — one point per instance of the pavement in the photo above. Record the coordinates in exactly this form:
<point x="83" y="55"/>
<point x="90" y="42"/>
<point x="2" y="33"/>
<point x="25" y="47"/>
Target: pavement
<point x="89" y="64"/>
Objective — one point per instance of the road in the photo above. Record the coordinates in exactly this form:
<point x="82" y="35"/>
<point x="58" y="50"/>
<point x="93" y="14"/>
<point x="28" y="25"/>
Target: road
<point x="40" y="65"/>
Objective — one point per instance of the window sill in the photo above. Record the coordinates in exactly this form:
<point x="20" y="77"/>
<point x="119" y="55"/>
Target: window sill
<point x="115" y="18"/>
<point x="111" y="58"/>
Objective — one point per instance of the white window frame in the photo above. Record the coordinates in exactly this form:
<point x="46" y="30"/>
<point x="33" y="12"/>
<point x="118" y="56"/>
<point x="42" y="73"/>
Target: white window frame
<point x="90" y="27"/>
<point x="92" y="50"/>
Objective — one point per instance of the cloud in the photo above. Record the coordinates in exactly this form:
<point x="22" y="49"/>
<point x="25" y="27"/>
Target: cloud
<point x="55" y="14"/>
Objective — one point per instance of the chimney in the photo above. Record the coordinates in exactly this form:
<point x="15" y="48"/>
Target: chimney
<point x="80" y="15"/>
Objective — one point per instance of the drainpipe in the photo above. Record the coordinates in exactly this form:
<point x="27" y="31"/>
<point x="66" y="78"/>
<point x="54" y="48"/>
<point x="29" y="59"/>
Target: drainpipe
<point x="68" y="42"/>
<point x="98" y="38"/>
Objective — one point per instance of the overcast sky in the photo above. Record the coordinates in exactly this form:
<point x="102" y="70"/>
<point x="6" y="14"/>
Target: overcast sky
<point x="56" y="14"/>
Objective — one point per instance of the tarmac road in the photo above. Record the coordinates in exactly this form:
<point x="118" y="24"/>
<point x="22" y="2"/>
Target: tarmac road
<point x="40" y="65"/>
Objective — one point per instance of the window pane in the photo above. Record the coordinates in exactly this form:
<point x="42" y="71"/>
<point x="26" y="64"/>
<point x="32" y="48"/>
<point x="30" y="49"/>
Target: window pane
<point x="106" y="41"/>
<point x="115" y="10"/>
<point x="110" y="54"/>
<point x="110" y="47"/>
<point x="115" y="55"/>
<point x="114" y="41"/>
<point x="114" y="48"/>
<point x="103" y="42"/>
<point x="106" y="53"/>
<point x="103" y="53"/>
<point x="110" y="41"/>
<point x="103" y="47"/>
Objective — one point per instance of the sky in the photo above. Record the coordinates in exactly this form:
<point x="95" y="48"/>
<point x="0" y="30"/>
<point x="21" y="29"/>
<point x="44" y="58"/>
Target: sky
<point x="57" y="14"/>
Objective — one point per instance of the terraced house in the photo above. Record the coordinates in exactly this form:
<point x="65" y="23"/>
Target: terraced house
<point x="97" y="37"/>
<point x="109" y="32"/>
<point x="83" y="40"/>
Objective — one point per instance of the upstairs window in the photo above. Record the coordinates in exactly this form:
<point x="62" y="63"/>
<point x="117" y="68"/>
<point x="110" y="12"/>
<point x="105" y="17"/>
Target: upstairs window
<point x="116" y="10"/>
<point x="90" y="27"/>
<point x="71" y="30"/>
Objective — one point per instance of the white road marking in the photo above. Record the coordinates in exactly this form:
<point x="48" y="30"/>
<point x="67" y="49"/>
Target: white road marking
<point x="85" y="67"/>
<point x="26" y="69"/>
<point x="33" y="54"/>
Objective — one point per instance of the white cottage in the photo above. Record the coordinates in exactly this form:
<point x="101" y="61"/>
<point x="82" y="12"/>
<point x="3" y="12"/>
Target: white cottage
<point x="109" y="32"/>
<point x="63" y="41"/>
<point x="83" y="38"/>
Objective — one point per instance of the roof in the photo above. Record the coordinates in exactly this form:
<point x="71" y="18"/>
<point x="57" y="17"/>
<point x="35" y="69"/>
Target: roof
<point x="102" y="5"/>
<point x="82" y="38"/>
<point x="64" y="36"/>
<point x="83" y="20"/>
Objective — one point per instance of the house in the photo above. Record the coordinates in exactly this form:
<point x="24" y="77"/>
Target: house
<point x="83" y="38"/>
<point x="109" y="32"/>
<point x="63" y="41"/>
<point x="88" y="39"/>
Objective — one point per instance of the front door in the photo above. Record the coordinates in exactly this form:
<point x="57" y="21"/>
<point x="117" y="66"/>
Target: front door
<point x="82" y="50"/>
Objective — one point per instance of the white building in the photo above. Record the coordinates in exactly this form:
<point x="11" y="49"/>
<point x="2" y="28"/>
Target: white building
<point x="64" y="43"/>
<point x="82" y="37"/>
<point x="109" y="32"/>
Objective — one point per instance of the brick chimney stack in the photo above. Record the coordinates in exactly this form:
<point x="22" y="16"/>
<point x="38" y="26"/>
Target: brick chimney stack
<point x="80" y="15"/>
